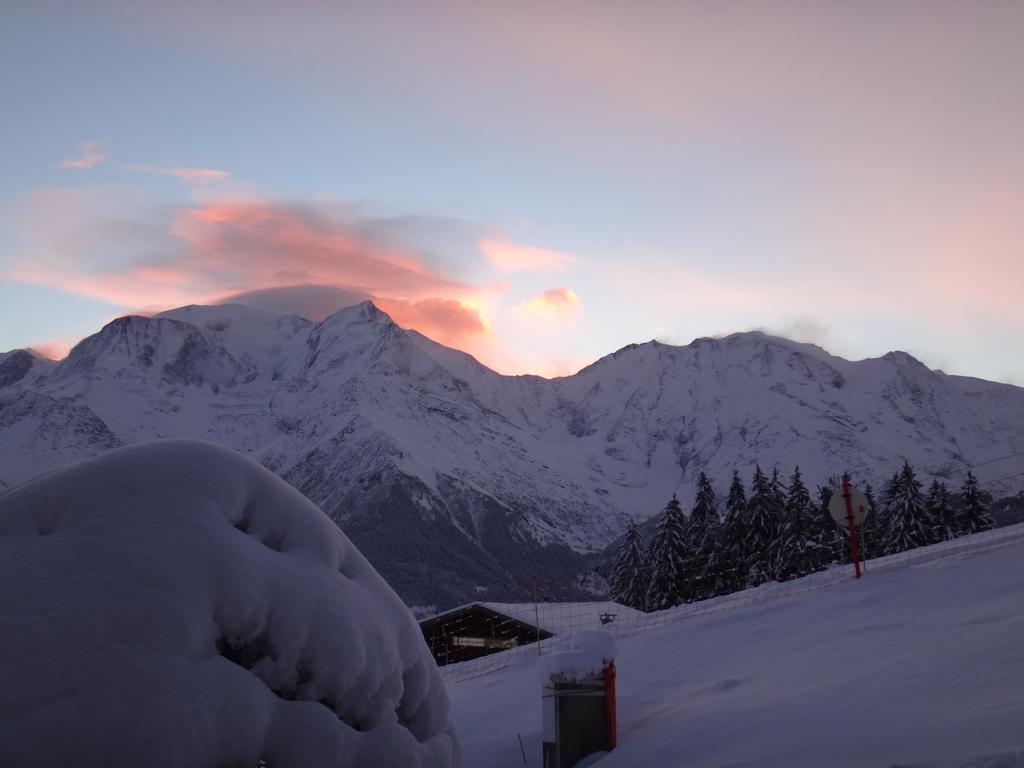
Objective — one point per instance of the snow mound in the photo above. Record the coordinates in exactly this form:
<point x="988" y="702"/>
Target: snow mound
<point x="176" y="604"/>
<point x="590" y="651"/>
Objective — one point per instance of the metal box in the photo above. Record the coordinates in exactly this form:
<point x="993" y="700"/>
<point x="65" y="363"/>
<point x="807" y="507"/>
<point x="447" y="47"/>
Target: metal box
<point x="579" y="718"/>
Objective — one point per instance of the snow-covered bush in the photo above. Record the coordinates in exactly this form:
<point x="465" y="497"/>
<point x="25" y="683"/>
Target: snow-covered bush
<point x="176" y="604"/>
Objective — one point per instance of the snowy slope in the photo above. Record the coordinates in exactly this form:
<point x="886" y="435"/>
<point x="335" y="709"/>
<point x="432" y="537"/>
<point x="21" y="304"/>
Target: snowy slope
<point x="460" y="484"/>
<point x="21" y="365"/>
<point x="175" y="604"/>
<point x="919" y="666"/>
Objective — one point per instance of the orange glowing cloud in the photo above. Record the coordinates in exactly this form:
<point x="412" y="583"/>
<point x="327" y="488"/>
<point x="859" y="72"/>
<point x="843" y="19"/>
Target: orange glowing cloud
<point x="288" y="258"/>
<point x="447" y="321"/>
<point x="556" y="302"/>
<point x="444" y="320"/>
<point x="513" y="257"/>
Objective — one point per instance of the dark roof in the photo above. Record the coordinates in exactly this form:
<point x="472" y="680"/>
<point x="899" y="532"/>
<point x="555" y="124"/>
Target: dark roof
<point x="475" y="621"/>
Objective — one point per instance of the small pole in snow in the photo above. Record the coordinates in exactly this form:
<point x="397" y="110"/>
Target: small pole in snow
<point x="864" y="545"/>
<point x="851" y="527"/>
<point x="536" y="610"/>
<point x="521" y="747"/>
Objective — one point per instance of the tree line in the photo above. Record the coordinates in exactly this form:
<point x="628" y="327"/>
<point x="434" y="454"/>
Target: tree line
<point x="779" y="532"/>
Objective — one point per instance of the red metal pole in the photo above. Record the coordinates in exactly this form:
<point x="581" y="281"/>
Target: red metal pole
<point x="854" y="549"/>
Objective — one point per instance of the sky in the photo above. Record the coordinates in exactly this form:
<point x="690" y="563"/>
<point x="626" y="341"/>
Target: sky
<point x="536" y="183"/>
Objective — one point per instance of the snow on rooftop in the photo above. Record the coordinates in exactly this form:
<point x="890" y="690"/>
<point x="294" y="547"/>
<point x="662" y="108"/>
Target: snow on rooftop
<point x="177" y="604"/>
<point x="562" y="618"/>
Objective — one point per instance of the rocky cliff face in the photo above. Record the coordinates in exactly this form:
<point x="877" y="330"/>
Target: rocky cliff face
<point x="460" y="483"/>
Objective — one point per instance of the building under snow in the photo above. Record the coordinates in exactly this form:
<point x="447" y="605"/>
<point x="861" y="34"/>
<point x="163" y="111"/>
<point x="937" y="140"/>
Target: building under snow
<point x="479" y="629"/>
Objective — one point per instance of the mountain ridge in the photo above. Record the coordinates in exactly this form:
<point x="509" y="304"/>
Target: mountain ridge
<point x="459" y="482"/>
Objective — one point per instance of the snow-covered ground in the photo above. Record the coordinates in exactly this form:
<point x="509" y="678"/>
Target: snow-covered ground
<point x="915" y="665"/>
<point x="176" y="604"/>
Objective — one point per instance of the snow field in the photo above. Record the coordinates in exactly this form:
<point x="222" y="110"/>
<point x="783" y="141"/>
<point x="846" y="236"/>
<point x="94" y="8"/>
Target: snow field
<point x="919" y="664"/>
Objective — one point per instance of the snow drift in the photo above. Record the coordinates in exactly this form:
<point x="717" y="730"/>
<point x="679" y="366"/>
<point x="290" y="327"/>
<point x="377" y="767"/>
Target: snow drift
<point x="176" y="604"/>
<point x="590" y="650"/>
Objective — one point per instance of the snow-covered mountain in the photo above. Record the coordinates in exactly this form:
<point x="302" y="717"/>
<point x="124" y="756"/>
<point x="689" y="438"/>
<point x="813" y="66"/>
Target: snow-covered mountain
<point x="458" y="482"/>
<point x="22" y="365"/>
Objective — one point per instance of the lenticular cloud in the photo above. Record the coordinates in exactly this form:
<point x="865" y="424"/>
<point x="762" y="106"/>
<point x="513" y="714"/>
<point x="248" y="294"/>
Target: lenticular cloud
<point x="175" y="604"/>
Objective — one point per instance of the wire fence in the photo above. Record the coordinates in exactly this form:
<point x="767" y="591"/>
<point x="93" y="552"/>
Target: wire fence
<point x="561" y="620"/>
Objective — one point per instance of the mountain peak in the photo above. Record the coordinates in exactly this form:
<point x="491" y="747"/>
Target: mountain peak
<point x="757" y="342"/>
<point x="364" y="312"/>
<point x="761" y="336"/>
<point x="898" y="357"/>
<point x="19" y="364"/>
<point x="372" y="312"/>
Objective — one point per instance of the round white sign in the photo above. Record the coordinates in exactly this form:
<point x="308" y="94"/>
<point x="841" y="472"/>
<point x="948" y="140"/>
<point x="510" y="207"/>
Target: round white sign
<point x="858" y="502"/>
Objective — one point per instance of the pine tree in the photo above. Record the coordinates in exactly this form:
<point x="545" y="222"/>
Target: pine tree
<point x="869" y="541"/>
<point x="778" y="504"/>
<point x="797" y="552"/>
<point x="833" y="540"/>
<point x="891" y="489"/>
<point x="762" y="530"/>
<point x="736" y="502"/>
<point x="704" y="541"/>
<point x="909" y="525"/>
<point x="974" y="516"/>
<point x="826" y="533"/>
<point x="705" y="506"/>
<point x="733" y="554"/>
<point x="869" y="493"/>
<point x="669" y="574"/>
<point x="940" y="510"/>
<point x="779" y="492"/>
<point x="631" y="575"/>
<point x="717" y="577"/>
<point x="885" y="504"/>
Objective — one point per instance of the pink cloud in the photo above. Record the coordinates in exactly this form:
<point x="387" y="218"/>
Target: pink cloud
<point x="262" y="244"/>
<point x="89" y="156"/>
<point x="286" y="257"/>
<point x="53" y="349"/>
<point x="206" y="252"/>
<point x="513" y="257"/>
<point x="188" y="175"/>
